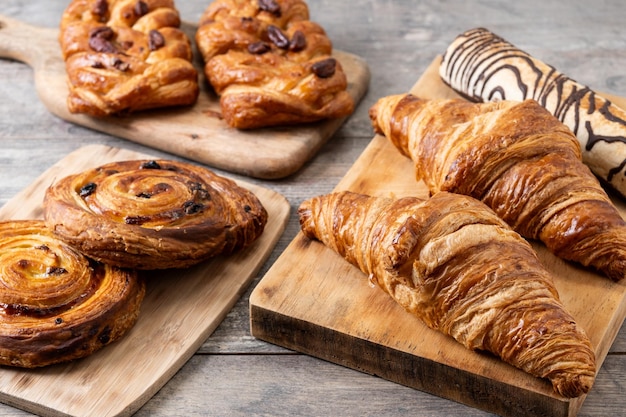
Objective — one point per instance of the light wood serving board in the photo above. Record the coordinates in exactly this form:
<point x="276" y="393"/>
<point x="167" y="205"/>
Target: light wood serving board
<point x="196" y="132"/>
<point x="313" y="301"/>
<point x="180" y="310"/>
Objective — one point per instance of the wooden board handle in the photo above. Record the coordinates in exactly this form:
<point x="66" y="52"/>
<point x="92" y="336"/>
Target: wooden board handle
<point x="26" y="43"/>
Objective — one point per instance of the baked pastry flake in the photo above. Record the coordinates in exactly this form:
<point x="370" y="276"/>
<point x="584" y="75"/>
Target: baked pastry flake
<point x="56" y="305"/>
<point x="153" y="214"/>
<point x="123" y="56"/>
<point x="451" y="262"/>
<point x="270" y="64"/>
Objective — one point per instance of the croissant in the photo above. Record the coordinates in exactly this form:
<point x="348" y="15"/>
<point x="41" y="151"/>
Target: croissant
<point x="56" y="304"/>
<point x="270" y="64"/>
<point x="519" y="160"/>
<point x="153" y="214"/>
<point x="455" y="265"/>
<point x="123" y="56"/>
<point x="484" y="67"/>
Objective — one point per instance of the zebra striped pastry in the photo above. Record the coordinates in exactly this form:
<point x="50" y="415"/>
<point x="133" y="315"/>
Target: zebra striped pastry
<point x="484" y="67"/>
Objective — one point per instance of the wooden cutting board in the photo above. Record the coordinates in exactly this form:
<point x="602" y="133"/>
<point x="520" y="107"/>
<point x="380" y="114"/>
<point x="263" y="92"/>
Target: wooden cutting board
<point x="313" y="301"/>
<point x="195" y="132"/>
<point x="180" y="310"/>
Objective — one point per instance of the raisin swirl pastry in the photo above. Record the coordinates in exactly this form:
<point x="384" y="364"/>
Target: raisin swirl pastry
<point x="518" y="159"/>
<point x="270" y="64"/>
<point x="56" y="305"/>
<point x="153" y="214"/>
<point x="451" y="262"/>
<point x="122" y="56"/>
<point x="484" y="67"/>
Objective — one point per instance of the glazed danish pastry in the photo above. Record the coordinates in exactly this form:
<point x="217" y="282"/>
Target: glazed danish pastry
<point x="270" y="64"/>
<point x="56" y="305"/>
<point x="153" y="214"/>
<point x="123" y="56"/>
<point x="452" y="263"/>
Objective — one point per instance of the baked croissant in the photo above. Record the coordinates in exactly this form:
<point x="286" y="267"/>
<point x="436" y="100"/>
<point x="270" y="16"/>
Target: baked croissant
<point x="56" y="304"/>
<point x="484" y="67"/>
<point x="122" y="56"/>
<point x="454" y="264"/>
<point x="153" y="214"/>
<point x="519" y="160"/>
<point x="270" y="64"/>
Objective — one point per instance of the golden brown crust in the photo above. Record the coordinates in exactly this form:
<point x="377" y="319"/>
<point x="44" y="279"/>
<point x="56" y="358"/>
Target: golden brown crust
<point x="270" y="64"/>
<point x="57" y="305"/>
<point x="454" y="264"/>
<point x="153" y="214"/>
<point x="123" y="56"/>
<point x="519" y="160"/>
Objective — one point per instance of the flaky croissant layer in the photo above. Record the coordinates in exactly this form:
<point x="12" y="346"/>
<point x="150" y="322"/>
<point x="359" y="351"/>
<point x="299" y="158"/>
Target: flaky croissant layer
<point x="454" y="264"/>
<point x="519" y="160"/>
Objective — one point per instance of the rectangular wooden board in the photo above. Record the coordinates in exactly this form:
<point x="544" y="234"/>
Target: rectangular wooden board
<point x="313" y="301"/>
<point x="181" y="309"/>
<point x="197" y="132"/>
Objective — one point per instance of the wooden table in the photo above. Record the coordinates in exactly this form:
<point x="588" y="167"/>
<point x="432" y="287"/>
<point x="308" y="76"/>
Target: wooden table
<point x="233" y="374"/>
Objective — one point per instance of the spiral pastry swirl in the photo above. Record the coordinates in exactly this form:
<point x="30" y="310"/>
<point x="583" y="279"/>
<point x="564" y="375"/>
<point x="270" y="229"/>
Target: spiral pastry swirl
<point x="147" y="214"/>
<point x="57" y="305"/>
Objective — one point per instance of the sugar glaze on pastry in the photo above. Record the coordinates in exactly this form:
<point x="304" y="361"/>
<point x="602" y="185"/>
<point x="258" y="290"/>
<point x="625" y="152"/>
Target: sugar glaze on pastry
<point x="153" y="214"/>
<point x="270" y="64"/>
<point x="56" y="305"/>
<point x="484" y="67"/>
<point x="123" y="56"/>
<point x="451" y="262"/>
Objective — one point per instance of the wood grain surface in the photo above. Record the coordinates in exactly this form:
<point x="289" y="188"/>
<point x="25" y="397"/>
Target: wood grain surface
<point x="196" y="132"/>
<point x="181" y="309"/>
<point x="314" y="302"/>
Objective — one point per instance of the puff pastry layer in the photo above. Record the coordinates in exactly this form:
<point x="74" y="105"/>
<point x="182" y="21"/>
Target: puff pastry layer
<point x="270" y="64"/>
<point x="123" y="56"/>
<point x="57" y="305"/>
<point x="153" y="214"/>
<point x="451" y="262"/>
<point x="518" y="159"/>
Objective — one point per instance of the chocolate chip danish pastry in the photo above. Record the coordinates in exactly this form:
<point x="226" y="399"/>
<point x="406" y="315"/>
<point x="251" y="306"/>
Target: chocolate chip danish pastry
<point x="484" y="67"/>
<point x="153" y="214"/>
<point x="270" y="64"/>
<point x="518" y="159"/>
<point x="57" y="305"/>
<point x="451" y="262"/>
<point x="123" y="56"/>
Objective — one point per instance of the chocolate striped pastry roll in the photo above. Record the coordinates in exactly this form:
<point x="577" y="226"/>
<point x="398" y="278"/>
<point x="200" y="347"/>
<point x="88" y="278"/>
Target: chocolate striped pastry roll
<point x="484" y="67"/>
<point x="153" y="214"/>
<point x="123" y="56"/>
<point x="452" y="263"/>
<point x="56" y="305"/>
<point x="270" y="64"/>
